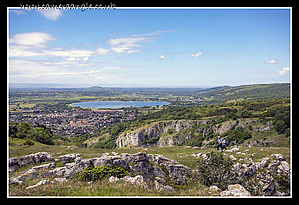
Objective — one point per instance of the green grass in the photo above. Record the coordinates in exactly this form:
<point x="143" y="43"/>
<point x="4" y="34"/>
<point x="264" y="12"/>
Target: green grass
<point x="102" y="188"/>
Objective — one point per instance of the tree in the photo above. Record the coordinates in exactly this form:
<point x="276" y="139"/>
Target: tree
<point x="41" y="135"/>
<point x="280" y="126"/>
<point x="215" y="170"/>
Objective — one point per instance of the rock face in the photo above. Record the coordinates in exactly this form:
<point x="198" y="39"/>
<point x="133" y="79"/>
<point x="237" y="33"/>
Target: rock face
<point x="140" y="136"/>
<point x="27" y="160"/>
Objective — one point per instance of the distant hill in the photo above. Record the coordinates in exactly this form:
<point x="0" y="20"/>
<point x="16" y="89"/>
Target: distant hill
<point x="245" y="93"/>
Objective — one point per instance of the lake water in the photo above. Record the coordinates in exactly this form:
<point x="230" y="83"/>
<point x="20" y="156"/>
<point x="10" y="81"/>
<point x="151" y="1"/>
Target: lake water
<point x="117" y="104"/>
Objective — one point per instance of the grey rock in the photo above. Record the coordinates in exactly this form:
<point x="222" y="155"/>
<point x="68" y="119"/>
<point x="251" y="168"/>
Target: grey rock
<point x="44" y="166"/>
<point x="35" y="159"/>
<point x="121" y="162"/>
<point x="138" y="157"/>
<point x="235" y="190"/>
<point x="13" y="164"/>
<point x="68" y="157"/>
<point x="161" y="186"/>
<point x="103" y="161"/>
<point x="40" y="183"/>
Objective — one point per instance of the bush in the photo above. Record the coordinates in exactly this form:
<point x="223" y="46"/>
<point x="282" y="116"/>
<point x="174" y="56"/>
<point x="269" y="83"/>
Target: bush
<point x="28" y="142"/>
<point x="216" y="171"/>
<point x="98" y="173"/>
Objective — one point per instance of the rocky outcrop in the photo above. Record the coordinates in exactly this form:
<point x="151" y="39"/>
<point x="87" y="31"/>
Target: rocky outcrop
<point x="264" y="182"/>
<point x="143" y="171"/>
<point x="14" y="164"/>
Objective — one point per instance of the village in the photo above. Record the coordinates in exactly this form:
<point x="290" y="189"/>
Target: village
<point x="76" y="120"/>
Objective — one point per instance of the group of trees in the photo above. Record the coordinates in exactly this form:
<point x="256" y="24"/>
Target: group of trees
<point x="24" y="130"/>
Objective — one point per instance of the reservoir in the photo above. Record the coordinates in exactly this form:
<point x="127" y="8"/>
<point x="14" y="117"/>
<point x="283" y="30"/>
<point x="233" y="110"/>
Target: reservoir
<point x="117" y="104"/>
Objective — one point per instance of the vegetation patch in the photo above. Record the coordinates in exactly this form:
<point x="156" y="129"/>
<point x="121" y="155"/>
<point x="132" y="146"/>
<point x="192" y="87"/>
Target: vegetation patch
<point x="98" y="173"/>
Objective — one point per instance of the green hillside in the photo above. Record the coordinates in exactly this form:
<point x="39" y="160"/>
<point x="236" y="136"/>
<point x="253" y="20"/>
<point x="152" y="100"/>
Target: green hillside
<point x="246" y="93"/>
<point x="262" y="122"/>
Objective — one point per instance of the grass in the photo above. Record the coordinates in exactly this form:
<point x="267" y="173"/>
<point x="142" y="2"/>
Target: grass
<point x="102" y="188"/>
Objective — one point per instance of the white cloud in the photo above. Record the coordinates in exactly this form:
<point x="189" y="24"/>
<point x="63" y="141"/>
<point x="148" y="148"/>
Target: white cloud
<point x="27" y="51"/>
<point x="17" y="11"/>
<point x="52" y="14"/>
<point x="196" y="55"/>
<point x="272" y="61"/>
<point x="152" y="33"/>
<point x="282" y="72"/>
<point x="163" y="57"/>
<point x="101" y="51"/>
<point x="31" y="39"/>
<point x="71" y="59"/>
<point x="126" y="45"/>
<point x="111" y="67"/>
<point x="70" y="53"/>
<point x="85" y="59"/>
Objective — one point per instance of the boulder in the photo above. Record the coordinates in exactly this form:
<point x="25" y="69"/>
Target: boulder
<point x="178" y="174"/>
<point x="44" y="166"/>
<point x="121" y="162"/>
<point x="68" y="157"/>
<point x="279" y="157"/>
<point x="161" y="186"/>
<point x="235" y="190"/>
<point x="13" y="164"/>
<point x="135" y="158"/>
<point x="137" y="180"/>
<point x="40" y="183"/>
<point x="31" y="174"/>
<point x="35" y="159"/>
<point x="103" y="161"/>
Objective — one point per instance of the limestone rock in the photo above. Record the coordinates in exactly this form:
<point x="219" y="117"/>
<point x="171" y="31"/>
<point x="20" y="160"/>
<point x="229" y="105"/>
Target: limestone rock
<point x="35" y="159"/>
<point x="44" y="166"/>
<point x="235" y="190"/>
<point x="279" y="157"/>
<point x="40" y="183"/>
<point x="121" y="162"/>
<point x="68" y="157"/>
<point x="13" y="164"/>
<point x="137" y="180"/>
<point x="214" y="188"/>
<point x="160" y="185"/>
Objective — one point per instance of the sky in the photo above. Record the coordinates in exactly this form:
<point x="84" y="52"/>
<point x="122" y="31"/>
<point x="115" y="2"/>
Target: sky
<point x="149" y="47"/>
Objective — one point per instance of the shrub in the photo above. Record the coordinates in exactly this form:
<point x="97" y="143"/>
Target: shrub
<point x="28" y="142"/>
<point x="215" y="170"/>
<point x="98" y="173"/>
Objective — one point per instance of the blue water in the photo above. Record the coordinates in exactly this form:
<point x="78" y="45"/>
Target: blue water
<point x="117" y="104"/>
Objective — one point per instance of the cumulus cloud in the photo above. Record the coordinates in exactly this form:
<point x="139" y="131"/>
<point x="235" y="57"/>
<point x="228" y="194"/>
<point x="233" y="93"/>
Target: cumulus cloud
<point x="163" y="57"/>
<point x="52" y="14"/>
<point x="69" y="53"/>
<point x="272" y="61"/>
<point x="85" y="59"/>
<point x="101" y="51"/>
<point x="31" y="39"/>
<point x="127" y="45"/>
<point x="282" y="72"/>
<point x="196" y="55"/>
<point x="111" y="67"/>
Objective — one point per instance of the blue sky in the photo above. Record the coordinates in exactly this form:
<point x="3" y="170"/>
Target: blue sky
<point x="150" y="48"/>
